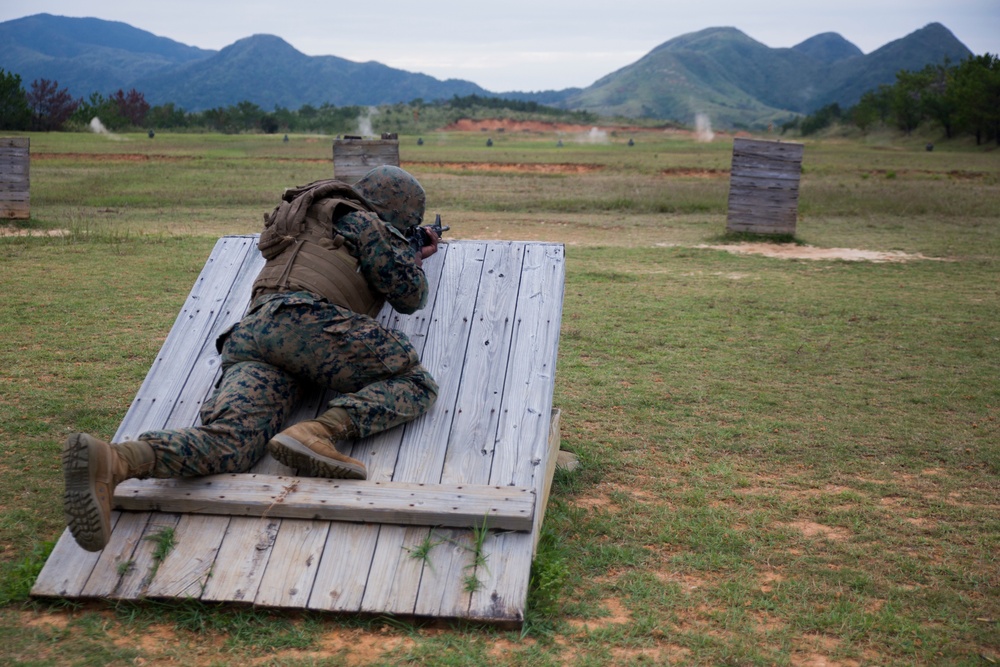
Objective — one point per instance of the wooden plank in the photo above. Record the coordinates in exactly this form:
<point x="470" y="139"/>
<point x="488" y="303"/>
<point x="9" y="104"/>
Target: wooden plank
<point x="444" y="356"/>
<point x="344" y="567"/>
<point x="524" y="421"/>
<point x="381" y="453"/>
<point x="472" y="440"/>
<point x="395" y="570"/>
<point x="551" y="461"/>
<point x="523" y="433"/>
<point x="749" y="185"/>
<point x="444" y="589"/>
<point x="288" y="580"/>
<point x="184" y="573"/>
<point x="766" y="149"/>
<point x="241" y="560"/>
<point x="456" y="505"/>
<point x="136" y="576"/>
<point x="503" y="586"/>
<point x="67" y="568"/>
<point x="471" y="443"/>
<point x="117" y="555"/>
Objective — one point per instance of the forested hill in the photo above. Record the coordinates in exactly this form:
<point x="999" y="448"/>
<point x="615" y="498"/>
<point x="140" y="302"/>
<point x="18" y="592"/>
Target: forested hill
<point x="734" y="79"/>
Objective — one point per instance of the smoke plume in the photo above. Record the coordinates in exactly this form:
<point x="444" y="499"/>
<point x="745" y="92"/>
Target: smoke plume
<point x="365" y="122"/>
<point x="97" y="127"/>
<point x="703" y="128"/>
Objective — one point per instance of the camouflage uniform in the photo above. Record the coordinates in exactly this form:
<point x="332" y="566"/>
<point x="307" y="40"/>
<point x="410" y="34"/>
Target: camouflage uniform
<point x="293" y="338"/>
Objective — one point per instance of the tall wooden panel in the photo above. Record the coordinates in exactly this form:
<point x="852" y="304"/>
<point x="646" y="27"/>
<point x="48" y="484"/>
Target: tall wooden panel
<point x="15" y="160"/>
<point x="354" y="157"/>
<point x="764" y="187"/>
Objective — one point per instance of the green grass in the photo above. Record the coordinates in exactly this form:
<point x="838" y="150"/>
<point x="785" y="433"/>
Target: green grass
<point x="782" y="461"/>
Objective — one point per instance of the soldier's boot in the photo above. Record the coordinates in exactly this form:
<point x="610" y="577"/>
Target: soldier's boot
<point x="92" y="469"/>
<point x="310" y="447"/>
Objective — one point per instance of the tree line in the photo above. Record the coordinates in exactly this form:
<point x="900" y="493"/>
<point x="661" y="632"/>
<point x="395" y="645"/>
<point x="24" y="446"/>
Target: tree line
<point x="44" y="106"/>
<point x="962" y="99"/>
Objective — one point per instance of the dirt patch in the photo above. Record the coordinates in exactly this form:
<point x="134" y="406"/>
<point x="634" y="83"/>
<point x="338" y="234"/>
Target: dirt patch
<point x="816" y="655"/>
<point x="11" y="231"/>
<point x="592" y="502"/>
<point x="508" y="125"/>
<point x="687" y="582"/>
<point x="617" y="615"/>
<point x="768" y="581"/>
<point x="793" y="251"/>
<point x="813" y="529"/>
<point x="519" y="167"/>
<point x="111" y="157"/>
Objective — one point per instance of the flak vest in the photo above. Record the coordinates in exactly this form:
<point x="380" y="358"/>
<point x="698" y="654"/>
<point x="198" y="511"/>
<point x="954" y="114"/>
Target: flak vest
<point x="312" y="257"/>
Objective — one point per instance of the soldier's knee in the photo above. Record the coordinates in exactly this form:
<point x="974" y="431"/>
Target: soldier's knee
<point x="426" y="383"/>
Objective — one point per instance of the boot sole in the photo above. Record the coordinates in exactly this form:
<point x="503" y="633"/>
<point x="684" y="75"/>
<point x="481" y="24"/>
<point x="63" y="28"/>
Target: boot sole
<point x="90" y="527"/>
<point x="294" y="454"/>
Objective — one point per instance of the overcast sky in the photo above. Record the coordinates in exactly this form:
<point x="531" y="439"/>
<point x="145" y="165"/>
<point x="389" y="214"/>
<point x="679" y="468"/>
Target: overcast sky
<point x="519" y="44"/>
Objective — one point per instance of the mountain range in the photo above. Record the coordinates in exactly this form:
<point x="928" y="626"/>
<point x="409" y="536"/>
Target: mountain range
<point x="720" y="72"/>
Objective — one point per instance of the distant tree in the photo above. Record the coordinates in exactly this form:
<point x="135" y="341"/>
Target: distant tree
<point x="15" y="113"/>
<point x="940" y="99"/>
<point x="790" y="124"/>
<point x="977" y="86"/>
<point x="247" y="115"/>
<point x="269" y="123"/>
<point x="287" y="120"/>
<point x="866" y="112"/>
<point x="50" y="107"/>
<point x="132" y="106"/>
<point x="907" y="100"/>
<point x="820" y="119"/>
<point x="167" y="115"/>
<point x="220" y="119"/>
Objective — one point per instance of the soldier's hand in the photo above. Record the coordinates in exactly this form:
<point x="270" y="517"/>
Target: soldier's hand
<point x="431" y="247"/>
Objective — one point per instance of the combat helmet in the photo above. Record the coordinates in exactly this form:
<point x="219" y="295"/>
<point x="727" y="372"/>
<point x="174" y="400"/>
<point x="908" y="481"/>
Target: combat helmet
<point x="397" y="197"/>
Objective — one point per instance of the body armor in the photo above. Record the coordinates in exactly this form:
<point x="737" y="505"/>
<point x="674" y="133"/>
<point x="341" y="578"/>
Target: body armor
<point x="305" y="253"/>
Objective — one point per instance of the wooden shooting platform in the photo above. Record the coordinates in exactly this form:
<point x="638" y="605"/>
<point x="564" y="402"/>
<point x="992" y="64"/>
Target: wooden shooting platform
<point x="483" y="455"/>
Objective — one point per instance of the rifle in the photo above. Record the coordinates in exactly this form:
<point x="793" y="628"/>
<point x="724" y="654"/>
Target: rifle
<point x="419" y="237"/>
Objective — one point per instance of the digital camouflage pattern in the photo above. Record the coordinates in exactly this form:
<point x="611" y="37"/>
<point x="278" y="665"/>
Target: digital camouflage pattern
<point x="385" y="259"/>
<point x="290" y="340"/>
<point x="396" y="196"/>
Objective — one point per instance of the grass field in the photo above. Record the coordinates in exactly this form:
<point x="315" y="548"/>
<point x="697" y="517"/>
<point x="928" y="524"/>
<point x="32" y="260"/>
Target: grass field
<point x="783" y="461"/>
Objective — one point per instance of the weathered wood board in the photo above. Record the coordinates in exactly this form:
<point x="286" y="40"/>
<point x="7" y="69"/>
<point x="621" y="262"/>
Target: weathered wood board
<point x="764" y="187"/>
<point x="15" y="181"/>
<point x="483" y="455"/>
<point x="353" y="158"/>
<point x="466" y="506"/>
